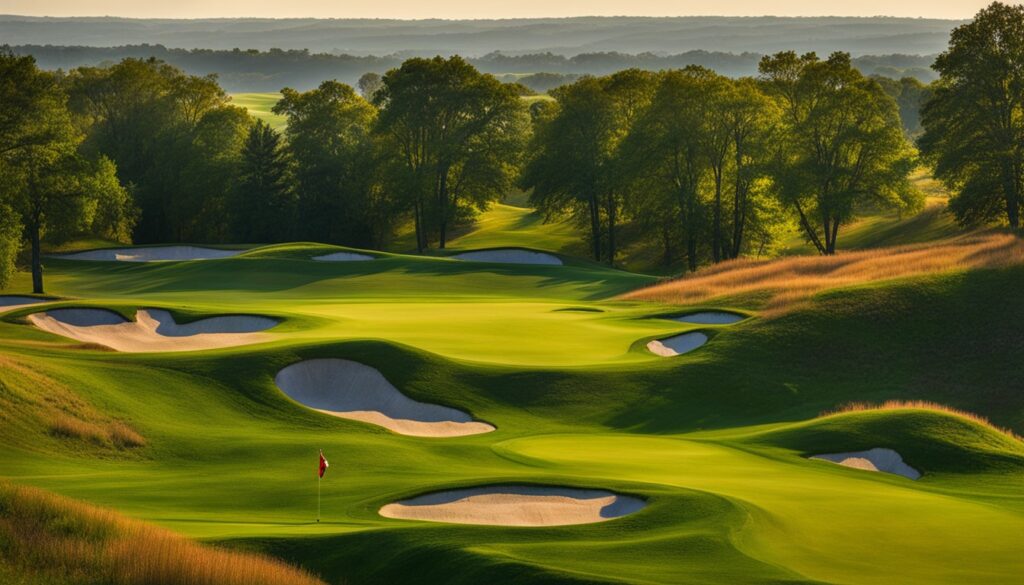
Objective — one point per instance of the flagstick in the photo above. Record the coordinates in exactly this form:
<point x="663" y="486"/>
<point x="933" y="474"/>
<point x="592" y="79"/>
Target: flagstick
<point x="318" y="478"/>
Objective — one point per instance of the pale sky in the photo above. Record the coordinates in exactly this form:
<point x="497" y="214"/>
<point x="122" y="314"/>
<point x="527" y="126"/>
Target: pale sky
<point x="457" y="9"/>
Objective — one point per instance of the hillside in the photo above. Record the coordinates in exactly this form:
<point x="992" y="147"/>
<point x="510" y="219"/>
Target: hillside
<point x="713" y="442"/>
<point x="915" y="36"/>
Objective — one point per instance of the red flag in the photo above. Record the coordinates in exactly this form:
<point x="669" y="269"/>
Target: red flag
<point x="323" y="464"/>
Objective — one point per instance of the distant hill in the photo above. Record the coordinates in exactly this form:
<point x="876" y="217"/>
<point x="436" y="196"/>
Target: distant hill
<point x="563" y="36"/>
<point x="252" y="70"/>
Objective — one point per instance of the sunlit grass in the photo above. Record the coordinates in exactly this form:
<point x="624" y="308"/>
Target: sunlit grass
<point x="788" y="281"/>
<point x="50" y="538"/>
<point x="918" y="405"/>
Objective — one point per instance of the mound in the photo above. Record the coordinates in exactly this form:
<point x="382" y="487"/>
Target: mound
<point x="788" y="281"/>
<point x="156" y="254"/>
<point x="710" y="318"/>
<point x="153" y="329"/>
<point x="936" y="442"/>
<point x="877" y="459"/>
<point x="515" y="506"/>
<point x="678" y="344"/>
<point x="510" y="256"/>
<point x="343" y="257"/>
<point x="52" y="539"/>
<point x="12" y="302"/>
<point x="356" y="391"/>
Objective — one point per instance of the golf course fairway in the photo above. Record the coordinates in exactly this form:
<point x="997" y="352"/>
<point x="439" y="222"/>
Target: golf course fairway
<point x="712" y="448"/>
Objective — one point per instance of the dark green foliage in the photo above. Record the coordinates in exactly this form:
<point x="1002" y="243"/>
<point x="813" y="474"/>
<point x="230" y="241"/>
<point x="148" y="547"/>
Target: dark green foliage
<point x="842" y="146"/>
<point x="52" y="189"/>
<point x="173" y="137"/>
<point x="329" y="140"/>
<point x="453" y="139"/>
<point x="263" y="207"/>
<point x="974" y="120"/>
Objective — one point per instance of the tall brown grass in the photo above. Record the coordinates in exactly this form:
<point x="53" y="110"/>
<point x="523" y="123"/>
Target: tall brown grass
<point x="788" y="281"/>
<point x="105" y="433"/>
<point x="30" y="397"/>
<point x="919" y="405"/>
<point x="49" y="538"/>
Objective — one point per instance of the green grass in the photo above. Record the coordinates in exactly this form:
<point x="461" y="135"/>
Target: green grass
<point x="714" y="440"/>
<point x="883" y="227"/>
<point x="260" y="105"/>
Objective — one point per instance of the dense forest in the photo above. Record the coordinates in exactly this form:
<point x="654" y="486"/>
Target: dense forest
<point x="708" y="166"/>
<point x="257" y="71"/>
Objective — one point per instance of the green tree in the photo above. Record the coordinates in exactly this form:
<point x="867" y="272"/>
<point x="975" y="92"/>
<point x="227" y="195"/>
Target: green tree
<point x="575" y="167"/>
<point x="329" y="138"/>
<point x="264" y="201"/>
<point x="842" y="145"/>
<point x="974" y="119"/>
<point x="456" y="136"/>
<point x="368" y="84"/>
<point x="159" y="126"/>
<point x="210" y="162"/>
<point x="667" y="152"/>
<point x="43" y="180"/>
<point x="10" y="243"/>
<point x="752" y="121"/>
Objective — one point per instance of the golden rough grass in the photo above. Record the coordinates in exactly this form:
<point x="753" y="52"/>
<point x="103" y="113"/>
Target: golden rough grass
<point x="33" y="396"/>
<point x="919" y="405"/>
<point x="789" y="281"/>
<point x="50" y="538"/>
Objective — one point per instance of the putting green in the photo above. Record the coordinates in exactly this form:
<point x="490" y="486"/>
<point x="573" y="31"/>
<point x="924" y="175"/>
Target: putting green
<point x="716" y="442"/>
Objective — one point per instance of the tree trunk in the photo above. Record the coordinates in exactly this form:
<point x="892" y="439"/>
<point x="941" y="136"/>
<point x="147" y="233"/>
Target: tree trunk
<point x="419" y="226"/>
<point x="739" y="208"/>
<point x="691" y="251"/>
<point x="612" y="217"/>
<point x="716" y="237"/>
<point x="835" y="236"/>
<point x="809" y="230"/>
<point x="442" y="200"/>
<point x="37" y="262"/>
<point x="595" y="227"/>
<point x="1013" y="200"/>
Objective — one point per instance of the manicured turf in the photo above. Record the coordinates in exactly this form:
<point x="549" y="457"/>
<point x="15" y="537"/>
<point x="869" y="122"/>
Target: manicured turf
<point x="260" y="105"/>
<point x="715" y="440"/>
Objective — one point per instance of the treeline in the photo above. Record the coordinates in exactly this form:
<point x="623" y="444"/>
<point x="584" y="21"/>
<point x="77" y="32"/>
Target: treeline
<point x="253" y="70"/>
<point x="712" y="166"/>
<point x="707" y="166"/>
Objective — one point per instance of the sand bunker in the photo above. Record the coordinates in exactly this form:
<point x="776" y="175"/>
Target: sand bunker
<point x="356" y="391"/>
<point x="710" y="318"/>
<point x="510" y="256"/>
<point x="157" y="254"/>
<point x="343" y="257"/>
<point x="153" y="330"/>
<point x="678" y="344"/>
<point x="878" y="459"/>
<point x="13" y="302"/>
<point x="515" y="506"/>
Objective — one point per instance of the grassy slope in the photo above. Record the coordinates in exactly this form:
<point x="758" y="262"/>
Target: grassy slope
<point x="880" y="228"/>
<point x="49" y="540"/>
<point x="713" y="439"/>
<point x="259" y="105"/>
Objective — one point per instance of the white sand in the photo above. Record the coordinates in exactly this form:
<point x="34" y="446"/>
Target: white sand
<point x="678" y="344"/>
<point x="13" y="302"/>
<point x="877" y="459"/>
<point x="153" y="330"/>
<point x="710" y="318"/>
<point x="343" y="257"/>
<point x="510" y="256"/>
<point x="155" y="254"/>
<point x="515" y="506"/>
<point x="356" y="391"/>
